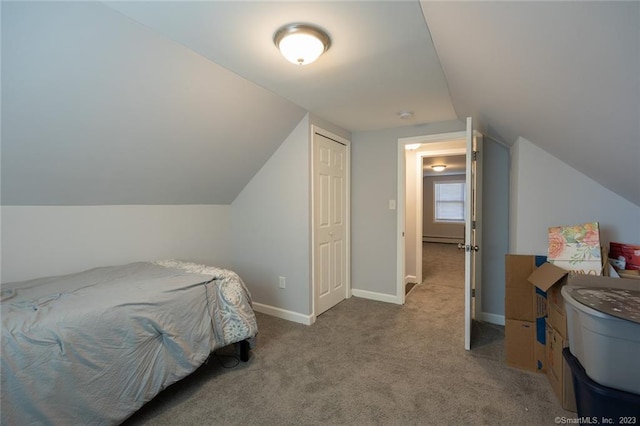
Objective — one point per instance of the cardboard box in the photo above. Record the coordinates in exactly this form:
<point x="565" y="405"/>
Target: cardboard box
<point x="550" y="279"/>
<point x="629" y="273"/>
<point x="534" y="305"/>
<point x="522" y="349"/>
<point x="522" y="301"/>
<point x="558" y="371"/>
<point x="518" y="347"/>
<point x="525" y="312"/>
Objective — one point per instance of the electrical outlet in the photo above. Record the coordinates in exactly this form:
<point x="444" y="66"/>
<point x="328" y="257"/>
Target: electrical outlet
<point x="282" y="283"/>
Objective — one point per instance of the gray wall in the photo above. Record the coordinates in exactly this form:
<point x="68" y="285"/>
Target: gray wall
<point x="429" y="227"/>
<point x="271" y="225"/>
<point x="374" y="173"/>
<point x="100" y="110"/>
<point x="546" y="192"/>
<point x="374" y="183"/>
<point x="495" y="235"/>
<point x="40" y="241"/>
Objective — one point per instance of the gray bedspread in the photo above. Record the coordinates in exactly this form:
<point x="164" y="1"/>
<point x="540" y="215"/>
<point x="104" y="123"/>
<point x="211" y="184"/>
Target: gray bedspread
<point x="93" y="347"/>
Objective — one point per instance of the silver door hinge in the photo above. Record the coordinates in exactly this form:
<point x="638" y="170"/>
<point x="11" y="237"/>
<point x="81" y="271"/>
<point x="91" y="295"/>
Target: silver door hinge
<point x="473" y="224"/>
<point x="473" y="292"/>
<point x="475" y="155"/>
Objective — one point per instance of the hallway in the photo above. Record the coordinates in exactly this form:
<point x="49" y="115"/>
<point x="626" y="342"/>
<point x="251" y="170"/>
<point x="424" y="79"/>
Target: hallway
<point x="442" y="265"/>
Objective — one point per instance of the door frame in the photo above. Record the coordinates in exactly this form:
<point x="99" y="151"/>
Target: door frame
<point x="421" y="155"/>
<point x="401" y="204"/>
<point x="347" y="252"/>
<point x="443" y="149"/>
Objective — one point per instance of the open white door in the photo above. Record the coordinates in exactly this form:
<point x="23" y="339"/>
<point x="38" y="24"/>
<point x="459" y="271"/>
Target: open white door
<point x="472" y="228"/>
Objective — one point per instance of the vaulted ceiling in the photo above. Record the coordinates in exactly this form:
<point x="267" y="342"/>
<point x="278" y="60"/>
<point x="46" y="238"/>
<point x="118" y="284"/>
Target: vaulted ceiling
<point x="182" y="102"/>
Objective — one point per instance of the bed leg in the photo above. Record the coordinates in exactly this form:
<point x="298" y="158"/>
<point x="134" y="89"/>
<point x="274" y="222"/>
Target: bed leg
<point x="244" y="350"/>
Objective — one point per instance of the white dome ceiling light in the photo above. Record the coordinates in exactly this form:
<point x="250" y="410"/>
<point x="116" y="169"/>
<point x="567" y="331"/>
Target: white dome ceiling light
<point x="301" y="44"/>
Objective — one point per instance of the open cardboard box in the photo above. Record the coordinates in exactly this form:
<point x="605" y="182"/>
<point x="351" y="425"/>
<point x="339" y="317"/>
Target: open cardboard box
<point x="550" y="279"/>
<point x="536" y="322"/>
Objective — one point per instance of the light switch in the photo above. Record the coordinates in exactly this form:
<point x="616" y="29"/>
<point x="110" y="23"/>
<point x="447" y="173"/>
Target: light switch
<point x="392" y="204"/>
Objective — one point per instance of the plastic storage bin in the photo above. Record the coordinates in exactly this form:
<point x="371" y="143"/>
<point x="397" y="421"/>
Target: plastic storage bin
<point x="601" y="402"/>
<point x="607" y="346"/>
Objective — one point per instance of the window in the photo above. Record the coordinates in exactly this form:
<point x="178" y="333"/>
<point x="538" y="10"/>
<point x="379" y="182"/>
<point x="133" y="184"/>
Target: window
<point x="449" y="199"/>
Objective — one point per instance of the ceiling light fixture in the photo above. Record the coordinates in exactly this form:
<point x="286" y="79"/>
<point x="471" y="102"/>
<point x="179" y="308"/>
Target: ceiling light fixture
<point x="438" y="167"/>
<point x="301" y="44"/>
<point x="405" y="115"/>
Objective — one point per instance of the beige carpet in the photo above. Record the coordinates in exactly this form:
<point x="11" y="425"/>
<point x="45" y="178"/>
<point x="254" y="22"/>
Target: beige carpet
<point x="365" y="363"/>
<point x="442" y="264"/>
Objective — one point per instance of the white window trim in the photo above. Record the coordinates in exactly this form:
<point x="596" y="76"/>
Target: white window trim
<point x="435" y="203"/>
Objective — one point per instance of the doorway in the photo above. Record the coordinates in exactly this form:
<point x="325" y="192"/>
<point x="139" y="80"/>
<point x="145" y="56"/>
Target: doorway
<point x="409" y="240"/>
<point x="432" y="150"/>
<point x="442" y="218"/>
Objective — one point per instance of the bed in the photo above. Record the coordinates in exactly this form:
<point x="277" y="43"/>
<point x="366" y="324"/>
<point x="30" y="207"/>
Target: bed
<point x="93" y="347"/>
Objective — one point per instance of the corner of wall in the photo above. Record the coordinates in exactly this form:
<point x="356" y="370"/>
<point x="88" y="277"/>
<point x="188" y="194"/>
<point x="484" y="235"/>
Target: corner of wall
<point x="270" y="227"/>
<point x="319" y="122"/>
<point x="514" y="159"/>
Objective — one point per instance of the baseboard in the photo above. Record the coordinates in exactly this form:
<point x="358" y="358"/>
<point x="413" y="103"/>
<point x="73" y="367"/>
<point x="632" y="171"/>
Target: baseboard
<point x="491" y="318"/>
<point x="372" y="295"/>
<point x="410" y="279"/>
<point x="283" y="314"/>
<point x="449" y="240"/>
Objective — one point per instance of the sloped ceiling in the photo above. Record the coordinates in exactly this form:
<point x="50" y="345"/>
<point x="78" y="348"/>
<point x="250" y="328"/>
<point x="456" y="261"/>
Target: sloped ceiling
<point x="182" y="102"/>
<point x="563" y="75"/>
<point x="98" y="109"/>
<point x="381" y="61"/>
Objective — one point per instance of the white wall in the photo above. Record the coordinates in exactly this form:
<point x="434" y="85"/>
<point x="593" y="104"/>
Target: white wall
<point x="40" y="241"/>
<point x="547" y="192"/>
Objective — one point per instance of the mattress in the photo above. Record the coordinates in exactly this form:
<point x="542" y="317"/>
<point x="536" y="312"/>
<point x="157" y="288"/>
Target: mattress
<point x="93" y="347"/>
